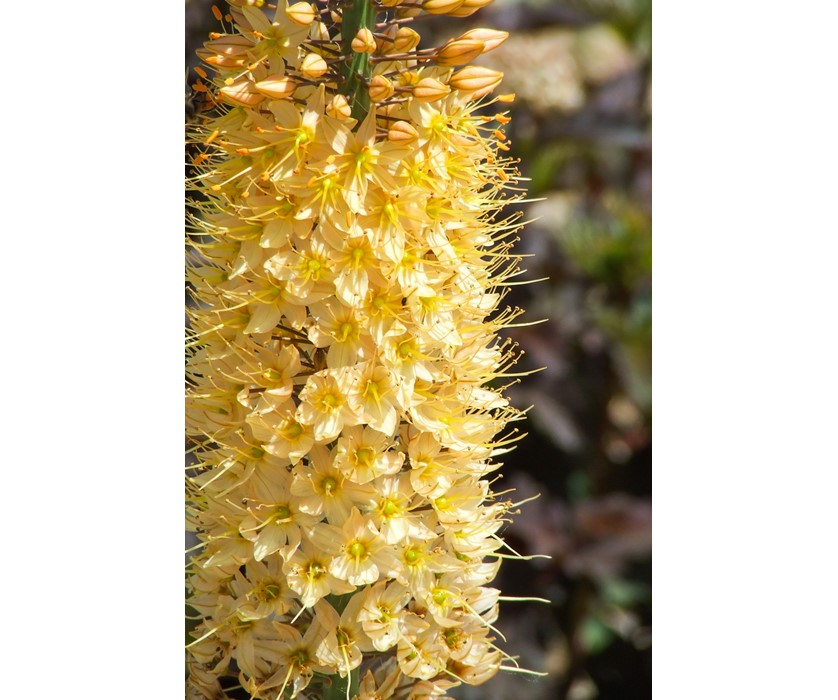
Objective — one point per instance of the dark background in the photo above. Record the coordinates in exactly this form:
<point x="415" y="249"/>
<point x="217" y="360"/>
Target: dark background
<point x="582" y="130"/>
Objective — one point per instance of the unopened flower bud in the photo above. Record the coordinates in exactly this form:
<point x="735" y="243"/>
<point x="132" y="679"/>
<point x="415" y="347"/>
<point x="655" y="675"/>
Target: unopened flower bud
<point x="220" y="60"/>
<point x="277" y="87"/>
<point x="364" y="41"/>
<point x="390" y="109"/>
<point x="458" y="52"/>
<point x="469" y="7"/>
<point x="441" y="7"/>
<point x="476" y="79"/>
<point x="339" y="108"/>
<point x="408" y="11"/>
<point x="384" y="41"/>
<point x="402" y="132"/>
<point x="302" y="13"/>
<point x="381" y="89"/>
<point x="313" y="66"/>
<point x="429" y="89"/>
<point x="242" y="92"/>
<point x="406" y="40"/>
<point x="491" y="38"/>
<point x="227" y="52"/>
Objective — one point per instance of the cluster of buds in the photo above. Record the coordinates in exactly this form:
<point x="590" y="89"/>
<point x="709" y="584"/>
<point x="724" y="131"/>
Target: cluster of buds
<point x="348" y="264"/>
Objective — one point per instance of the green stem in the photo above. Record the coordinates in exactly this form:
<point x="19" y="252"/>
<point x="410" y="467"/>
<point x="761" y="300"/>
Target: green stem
<point x="337" y="691"/>
<point x="356" y="71"/>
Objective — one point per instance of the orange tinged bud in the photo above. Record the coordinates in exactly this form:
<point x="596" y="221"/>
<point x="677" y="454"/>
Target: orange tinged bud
<point x="491" y="38"/>
<point x="458" y="52"/>
<point x="441" y="7"/>
<point x="429" y="89"/>
<point x="226" y="51"/>
<point x="469" y="7"/>
<point x="384" y="45"/>
<point x="277" y="87"/>
<point x="313" y="66"/>
<point x="338" y="108"/>
<point x="408" y="11"/>
<point x="390" y="3"/>
<point x="388" y="110"/>
<point x="476" y="79"/>
<point x="229" y="44"/>
<point x="381" y="89"/>
<point x="302" y="13"/>
<point x="364" y="41"/>
<point x="402" y="132"/>
<point x="406" y="40"/>
<point x="241" y="92"/>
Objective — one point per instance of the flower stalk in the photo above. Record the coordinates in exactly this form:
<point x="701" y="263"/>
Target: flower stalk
<point x="357" y="15"/>
<point x="348" y="263"/>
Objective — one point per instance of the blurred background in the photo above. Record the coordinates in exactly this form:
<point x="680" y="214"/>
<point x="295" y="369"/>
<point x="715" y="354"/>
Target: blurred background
<point x="581" y="127"/>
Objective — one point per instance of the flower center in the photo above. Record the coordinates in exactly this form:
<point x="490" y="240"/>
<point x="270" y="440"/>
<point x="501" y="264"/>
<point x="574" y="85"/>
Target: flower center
<point x="346" y="329"/>
<point x="364" y="456"/>
<point x="272" y="592"/>
<point x="406" y="350"/>
<point x="356" y="550"/>
<point x="272" y="375"/>
<point x="294" y="430"/>
<point x="300" y="657"/>
<point x="329" y="484"/>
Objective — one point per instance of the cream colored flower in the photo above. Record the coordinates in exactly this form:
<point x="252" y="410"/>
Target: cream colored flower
<point x="347" y="270"/>
<point x="359" y="553"/>
<point x="321" y="488"/>
<point x="325" y="404"/>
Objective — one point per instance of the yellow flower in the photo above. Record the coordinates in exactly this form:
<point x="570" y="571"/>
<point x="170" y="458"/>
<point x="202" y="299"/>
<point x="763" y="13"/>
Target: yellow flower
<point x="348" y="266"/>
